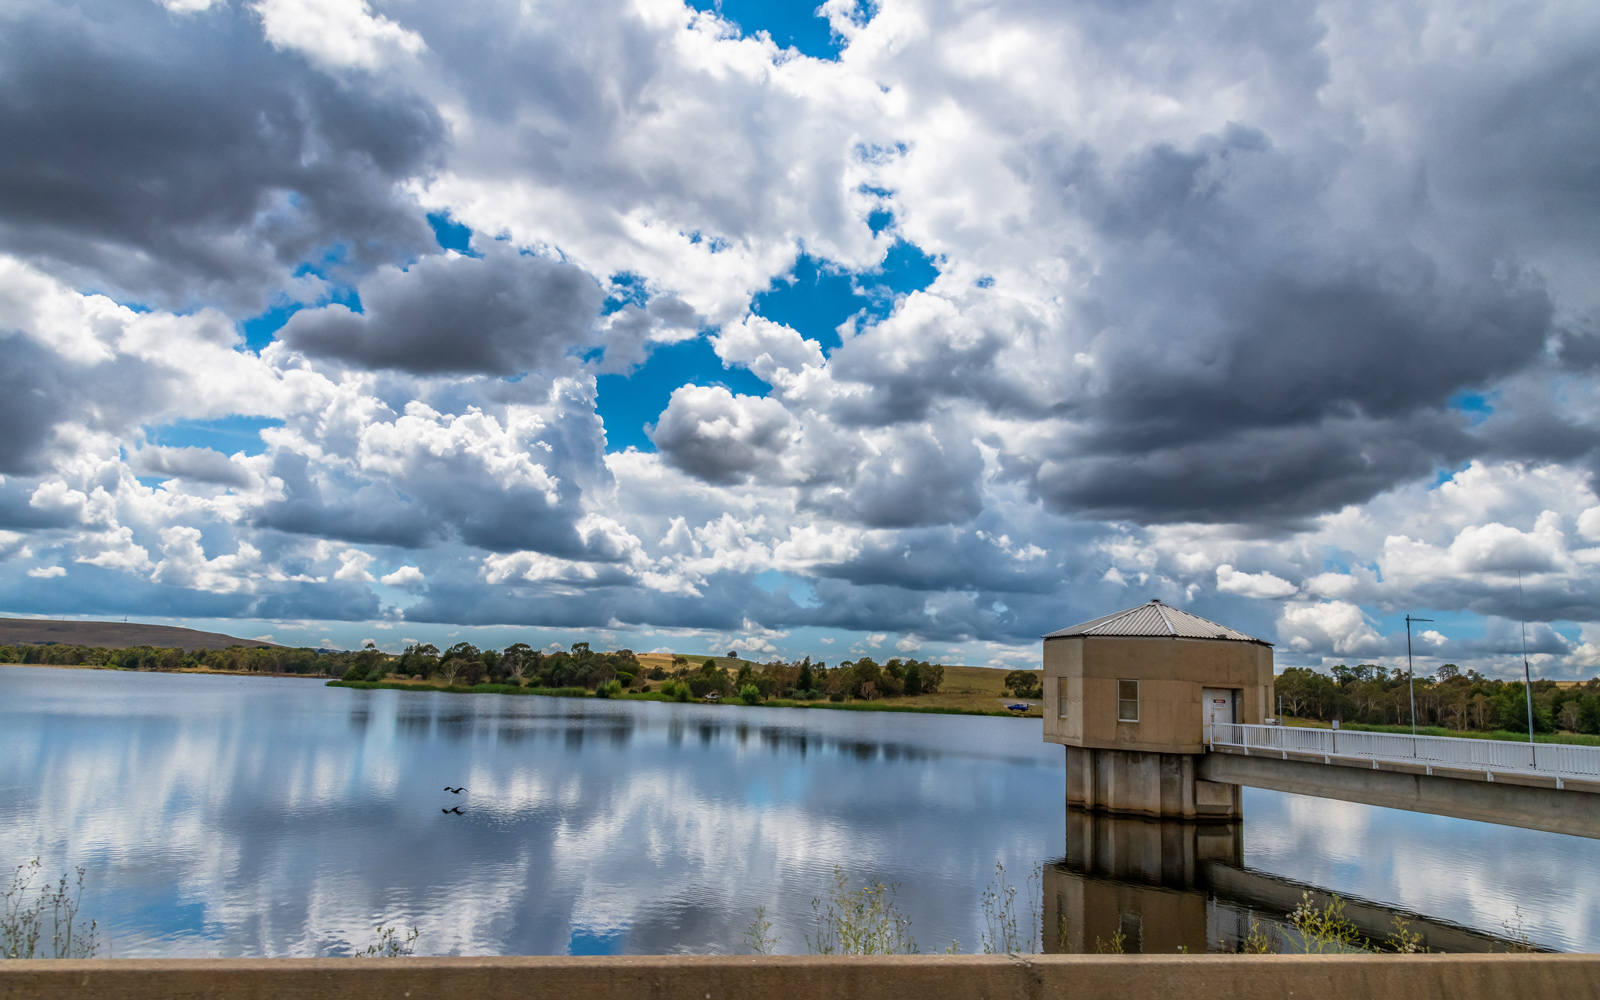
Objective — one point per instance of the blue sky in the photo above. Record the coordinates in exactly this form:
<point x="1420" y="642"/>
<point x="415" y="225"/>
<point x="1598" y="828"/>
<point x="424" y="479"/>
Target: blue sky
<point x="922" y="330"/>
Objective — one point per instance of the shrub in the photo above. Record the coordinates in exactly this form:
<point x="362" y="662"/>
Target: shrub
<point x="355" y="673"/>
<point x="610" y="689"/>
<point x="750" y="694"/>
<point x="682" y="694"/>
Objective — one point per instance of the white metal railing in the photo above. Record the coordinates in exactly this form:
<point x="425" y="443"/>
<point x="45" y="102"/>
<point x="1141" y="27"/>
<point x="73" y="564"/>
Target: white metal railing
<point x="1554" y="760"/>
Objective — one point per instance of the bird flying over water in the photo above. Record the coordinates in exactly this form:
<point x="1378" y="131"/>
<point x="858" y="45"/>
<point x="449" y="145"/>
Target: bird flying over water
<point x="456" y="810"/>
<point x="455" y="791"/>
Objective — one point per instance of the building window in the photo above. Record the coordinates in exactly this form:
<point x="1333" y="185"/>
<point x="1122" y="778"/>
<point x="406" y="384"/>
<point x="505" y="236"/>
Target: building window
<point x="1127" y="701"/>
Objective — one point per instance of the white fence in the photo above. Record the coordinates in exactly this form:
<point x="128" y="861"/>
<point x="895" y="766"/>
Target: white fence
<point x="1554" y="760"/>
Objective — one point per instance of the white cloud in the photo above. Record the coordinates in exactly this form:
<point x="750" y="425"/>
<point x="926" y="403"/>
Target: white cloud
<point x="1260" y="585"/>
<point x="406" y="578"/>
<point x="336" y="33"/>
<point x="1332" y="627"/>
<point x="353" y="565"/>
<point x="47" y="572"/>
<point x="1192" y="313"/>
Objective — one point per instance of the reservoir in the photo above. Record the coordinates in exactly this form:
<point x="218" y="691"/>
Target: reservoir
<point x="224" y="816"/>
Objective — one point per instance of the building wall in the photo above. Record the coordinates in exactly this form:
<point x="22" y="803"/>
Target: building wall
<point x="1080" y="682"/>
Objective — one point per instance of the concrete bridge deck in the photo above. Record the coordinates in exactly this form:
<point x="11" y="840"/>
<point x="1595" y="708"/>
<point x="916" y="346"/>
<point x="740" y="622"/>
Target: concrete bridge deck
<point x="1544" y="786"/>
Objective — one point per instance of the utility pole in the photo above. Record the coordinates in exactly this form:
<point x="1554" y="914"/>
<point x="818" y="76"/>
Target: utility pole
<point x="1410" y="681"/>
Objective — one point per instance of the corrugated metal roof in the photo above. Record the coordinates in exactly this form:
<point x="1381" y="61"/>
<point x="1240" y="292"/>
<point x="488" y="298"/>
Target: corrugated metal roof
<point x="1156" y="618"/>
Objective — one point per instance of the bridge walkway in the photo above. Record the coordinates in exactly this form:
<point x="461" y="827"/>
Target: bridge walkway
<point x="1540" y="786"/>
<point x="1556" y="763"/>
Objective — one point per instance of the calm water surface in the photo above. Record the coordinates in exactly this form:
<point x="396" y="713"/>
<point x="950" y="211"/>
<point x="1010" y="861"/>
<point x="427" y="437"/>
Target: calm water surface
<point x="261" y="816"/>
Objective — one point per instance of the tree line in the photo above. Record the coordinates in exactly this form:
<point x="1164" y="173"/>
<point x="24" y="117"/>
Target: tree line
<point x="520" y="665"/>
<point x="583" y="667"/>
<point x="1450" y="698"/>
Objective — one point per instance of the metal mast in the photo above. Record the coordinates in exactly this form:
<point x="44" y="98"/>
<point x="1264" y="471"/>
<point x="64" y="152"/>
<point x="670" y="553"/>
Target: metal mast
<point x="1410" y="682"/>
<point x="1527" y="673"/>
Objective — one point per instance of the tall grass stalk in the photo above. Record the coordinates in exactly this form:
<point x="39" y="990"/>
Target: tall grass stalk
<point x="29" y="913"/>
<point x="1003" y="932"/>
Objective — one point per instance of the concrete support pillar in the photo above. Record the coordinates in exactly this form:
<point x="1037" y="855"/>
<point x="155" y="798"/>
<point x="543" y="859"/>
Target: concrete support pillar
<point x="1159" y="785"/>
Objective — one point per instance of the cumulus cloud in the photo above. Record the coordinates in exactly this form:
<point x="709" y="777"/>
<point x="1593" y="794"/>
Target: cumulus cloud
<point x="1338" y="627"/>
<point x="1261" y="585"/>
<point x="721" y="437"/>
<point x="336" y="33"/>
<point x="1288" y="317"/>
<point x="127" y="168"/>
<point x="200" y="465"/>
<point x="499" y="314"/>
<point x="406" y="577"/>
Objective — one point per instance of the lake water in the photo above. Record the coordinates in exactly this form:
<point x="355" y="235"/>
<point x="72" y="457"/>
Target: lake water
<point x="262" y="816"/>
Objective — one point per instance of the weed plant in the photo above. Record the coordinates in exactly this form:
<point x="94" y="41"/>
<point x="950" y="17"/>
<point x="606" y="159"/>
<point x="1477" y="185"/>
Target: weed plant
<point x="759" y="936"/>
<point x="387" y="942"/>
<point x="862" y="921"/>
<point x="1002" y="934"/>
<point x="45" y="922"/>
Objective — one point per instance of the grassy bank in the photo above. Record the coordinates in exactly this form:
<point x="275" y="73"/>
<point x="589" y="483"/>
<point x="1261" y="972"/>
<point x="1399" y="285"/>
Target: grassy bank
<point x="914" y="705"/>
<point x="1574" y="739"/>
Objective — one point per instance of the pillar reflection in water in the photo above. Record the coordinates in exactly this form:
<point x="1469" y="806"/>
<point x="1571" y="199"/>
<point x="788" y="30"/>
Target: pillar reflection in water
<point x="1136" y="885"/>
<point x="1145" y="886"/>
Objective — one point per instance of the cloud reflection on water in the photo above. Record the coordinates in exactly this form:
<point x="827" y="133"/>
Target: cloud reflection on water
<point x="280" y="817"/>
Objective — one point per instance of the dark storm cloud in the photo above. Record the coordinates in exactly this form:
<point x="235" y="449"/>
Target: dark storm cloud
<point x="927" y="476"/>
<point x="368" y="513"/>
<point x="714" y="435"/>
<point x="925" y="367"/>
<point x="1252" y="358"/>
<point x="42" y="390"/>
<point x="500" y="314"/>
<point x="34" y="391"/>
<point x="92" y="590"/>
<point x="200" y="465"/>
<point x="324" y="601"/>
<point x="182" y="158"/>
<point x="434" y="499"/>
<point x="940" y="559"/>
<point x="1278" y="475"/>
<point x="727" y="601"/>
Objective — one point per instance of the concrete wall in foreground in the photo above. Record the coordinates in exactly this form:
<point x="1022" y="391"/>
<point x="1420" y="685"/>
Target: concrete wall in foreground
<point x="969" y="977"/>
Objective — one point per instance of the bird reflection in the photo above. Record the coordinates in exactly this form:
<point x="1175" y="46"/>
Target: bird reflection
<point x="456" y="810"/>
<point x="455" y="791"/>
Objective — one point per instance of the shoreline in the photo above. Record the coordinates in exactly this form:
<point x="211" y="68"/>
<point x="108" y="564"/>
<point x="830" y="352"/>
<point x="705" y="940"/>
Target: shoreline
<point x="507" y="689"/>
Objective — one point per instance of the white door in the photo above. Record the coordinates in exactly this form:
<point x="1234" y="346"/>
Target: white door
<point x="1218" y="706"/>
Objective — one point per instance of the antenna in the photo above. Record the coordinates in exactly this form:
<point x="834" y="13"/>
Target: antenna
<point x="1527" y="673"/>
<point x="1411" y="684"/>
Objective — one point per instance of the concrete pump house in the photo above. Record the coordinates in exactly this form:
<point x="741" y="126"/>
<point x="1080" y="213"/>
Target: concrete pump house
<point x="1129" y="696"/>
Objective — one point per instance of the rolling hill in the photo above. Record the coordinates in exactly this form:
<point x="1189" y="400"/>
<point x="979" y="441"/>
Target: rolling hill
<point x="114" y="635"/>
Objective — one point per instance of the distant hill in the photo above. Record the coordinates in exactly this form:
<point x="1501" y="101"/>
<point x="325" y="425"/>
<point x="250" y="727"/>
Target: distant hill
<point x="115" y="635"/>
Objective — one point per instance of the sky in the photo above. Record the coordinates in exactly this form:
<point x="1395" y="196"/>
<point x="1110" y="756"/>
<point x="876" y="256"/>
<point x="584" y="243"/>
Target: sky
<point x="907" y="328"/>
